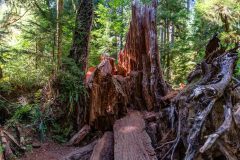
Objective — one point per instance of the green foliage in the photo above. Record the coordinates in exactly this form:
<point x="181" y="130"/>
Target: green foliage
<point x="22" y="113"/>
<point x="60" y="133"/>
<point x="1" y="149"/>
<point x="109" y="29"/>
<point x="70" y="83"/>
<point x="218" y="16"/>
<point x="30" y="114"/>
<point x="21" y="74"/>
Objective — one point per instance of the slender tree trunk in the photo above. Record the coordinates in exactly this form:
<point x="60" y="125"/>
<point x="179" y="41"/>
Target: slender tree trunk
<point x="121" y="35"/>
<point x="188" y="5"/>
<point x="74" y="6"/>
<point x="53" y="49"/>
<point x="79" y="50"/>
<point x="59" y="32"/>
<point x="168" y="53"/>
<point x="172" y="33"/>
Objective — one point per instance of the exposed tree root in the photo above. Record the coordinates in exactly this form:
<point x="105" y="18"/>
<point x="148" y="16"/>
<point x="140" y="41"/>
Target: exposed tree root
<point x="200" y="99"/>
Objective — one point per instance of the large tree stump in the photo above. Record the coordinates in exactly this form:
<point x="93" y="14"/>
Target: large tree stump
<point x="141" y="54"/>
<point x="136" y="81"/>
<point x="131" y="141"/>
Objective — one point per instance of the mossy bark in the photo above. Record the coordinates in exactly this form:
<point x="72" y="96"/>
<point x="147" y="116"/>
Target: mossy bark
<point x="80" y="50"/>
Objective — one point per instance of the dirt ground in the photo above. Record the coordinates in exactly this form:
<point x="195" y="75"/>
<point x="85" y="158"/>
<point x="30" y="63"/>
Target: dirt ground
<point x="48" y="151"/>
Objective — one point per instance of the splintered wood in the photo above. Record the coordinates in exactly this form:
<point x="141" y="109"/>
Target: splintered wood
<point x="136" y="82"/>
<point x="131" y="140"/>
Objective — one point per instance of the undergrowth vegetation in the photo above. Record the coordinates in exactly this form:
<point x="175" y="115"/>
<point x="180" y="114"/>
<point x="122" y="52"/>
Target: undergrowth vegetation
<point x="22" y="101"/>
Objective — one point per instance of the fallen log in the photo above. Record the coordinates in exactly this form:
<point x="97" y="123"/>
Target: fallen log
<point x="131" y="141"/>
<point x="83" y="153"/>
<point x="78" y="137"/>
<point x="103" y="150"/>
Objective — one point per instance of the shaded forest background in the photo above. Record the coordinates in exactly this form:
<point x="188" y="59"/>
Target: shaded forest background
<point x="36" y="37"/>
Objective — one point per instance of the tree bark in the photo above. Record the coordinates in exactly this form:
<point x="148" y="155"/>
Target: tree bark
<point x="81" y="36"/>
<point x="79" y="53"/>
<point x="136" y="81"/>
<point x="203" y="107"/>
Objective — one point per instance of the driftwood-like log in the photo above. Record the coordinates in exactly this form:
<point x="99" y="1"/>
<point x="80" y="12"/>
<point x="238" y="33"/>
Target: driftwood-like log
<point x="223" y="128"/>
<point x="209" y="94"/>
<point x="199" y="110"/>
<point x="131" y="141"/>
<point x="103" y="150"/>
<point x="78" y="137"/>
<point x="237" y="115"/>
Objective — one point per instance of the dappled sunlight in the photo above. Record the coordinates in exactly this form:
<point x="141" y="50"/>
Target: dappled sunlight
<point x="128" y="129"/>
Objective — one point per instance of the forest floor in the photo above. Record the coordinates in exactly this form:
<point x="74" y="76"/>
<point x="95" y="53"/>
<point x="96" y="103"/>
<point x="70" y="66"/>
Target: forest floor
<point x="48" y="151"/>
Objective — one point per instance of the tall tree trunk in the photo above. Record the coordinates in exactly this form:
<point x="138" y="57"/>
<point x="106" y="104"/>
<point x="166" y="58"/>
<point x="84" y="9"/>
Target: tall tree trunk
<point x="188" y="5"/>
<point x="122" y="28"/>
<point x="59" y="32"/>
<point x="168" y="53"/>
<point x="79" y="50"/>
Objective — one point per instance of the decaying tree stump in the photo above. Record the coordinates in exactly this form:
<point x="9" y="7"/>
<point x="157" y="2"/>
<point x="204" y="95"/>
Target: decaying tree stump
<point x="136" y="81"/>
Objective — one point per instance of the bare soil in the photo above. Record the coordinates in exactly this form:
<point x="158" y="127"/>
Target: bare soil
<point x="48" y="151"/>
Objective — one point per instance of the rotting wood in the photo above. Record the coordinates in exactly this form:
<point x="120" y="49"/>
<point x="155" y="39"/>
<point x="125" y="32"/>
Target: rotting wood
<point x="136" y="82"/>
<point x="131" y="141"/>
<point x="78" y="137"/>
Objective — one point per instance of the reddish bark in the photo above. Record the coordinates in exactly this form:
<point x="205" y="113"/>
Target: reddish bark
<point x="137" y="81"/>
<point x="141" y="54"/>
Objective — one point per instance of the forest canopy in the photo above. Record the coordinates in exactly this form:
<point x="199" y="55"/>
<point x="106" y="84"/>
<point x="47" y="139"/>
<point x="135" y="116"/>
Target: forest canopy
<point x="28" y="28"/>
